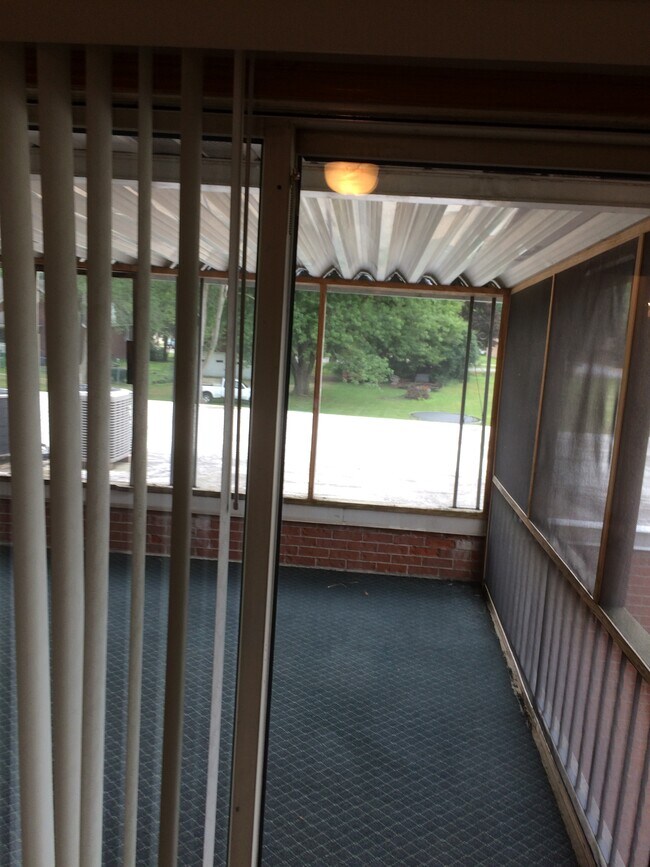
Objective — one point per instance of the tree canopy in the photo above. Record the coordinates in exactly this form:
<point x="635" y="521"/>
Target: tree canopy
<point x="481" y="319"/>
<point x="369" y="338"/>
<point x="304" y="336"/>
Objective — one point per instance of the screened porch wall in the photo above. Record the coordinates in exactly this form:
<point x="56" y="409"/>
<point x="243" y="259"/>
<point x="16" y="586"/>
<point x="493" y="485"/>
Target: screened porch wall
<point x="571" y="453"/>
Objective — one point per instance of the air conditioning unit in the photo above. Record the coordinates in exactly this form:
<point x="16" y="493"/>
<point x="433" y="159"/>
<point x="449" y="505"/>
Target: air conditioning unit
<point x="121" y="424"/>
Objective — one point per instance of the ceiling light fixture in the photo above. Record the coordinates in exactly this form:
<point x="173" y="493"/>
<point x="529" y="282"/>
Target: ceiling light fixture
<point x="351" y="179"/>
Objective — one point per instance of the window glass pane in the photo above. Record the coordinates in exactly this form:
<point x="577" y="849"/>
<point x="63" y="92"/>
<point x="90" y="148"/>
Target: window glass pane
<point x="481" y="367"/>
<point x="214" y="328"/>
<point x="626" y="580"/>
<point x="212" y="372"/>
<point x="520" y="389"/>
<point x="121" y="399"/>
<point x="5" y="458"/>
<point x="215" y="301"/>
<point x="81" y="337"/>
<point x="637" y="594"/>
<point x="392" y="390"/>
<point x="121" y="411"/>
<point x="243" y="378"/>
<point x="583" y="380"/>
<point x="162" y="355"/>
<point x="161" y="379"/>
<point x="304" y="339"/>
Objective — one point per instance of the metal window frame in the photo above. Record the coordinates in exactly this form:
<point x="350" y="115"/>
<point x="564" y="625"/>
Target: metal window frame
<point x="263" y="506"/>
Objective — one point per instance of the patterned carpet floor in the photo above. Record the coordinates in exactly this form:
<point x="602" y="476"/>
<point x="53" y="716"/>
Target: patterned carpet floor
<point x="395" y="737"/>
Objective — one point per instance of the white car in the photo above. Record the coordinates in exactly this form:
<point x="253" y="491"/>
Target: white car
<point x="216" y="390"/>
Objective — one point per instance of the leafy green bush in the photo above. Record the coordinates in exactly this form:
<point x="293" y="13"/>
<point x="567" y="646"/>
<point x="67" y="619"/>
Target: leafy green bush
<point x="157" y="353"/>
<point x="355" y="365"/>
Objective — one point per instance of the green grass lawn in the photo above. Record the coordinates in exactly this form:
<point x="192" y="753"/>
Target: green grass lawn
<point x="343" y="398"/>
<point x="385" y="401"/>
<point x="161" y="379"/>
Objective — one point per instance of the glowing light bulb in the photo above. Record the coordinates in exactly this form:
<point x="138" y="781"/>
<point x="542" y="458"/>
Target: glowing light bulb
<point x="352" y="179"/>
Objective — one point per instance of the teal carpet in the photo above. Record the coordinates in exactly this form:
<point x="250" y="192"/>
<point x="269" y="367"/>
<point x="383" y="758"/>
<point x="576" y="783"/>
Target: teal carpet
<point x="395" y="737"/>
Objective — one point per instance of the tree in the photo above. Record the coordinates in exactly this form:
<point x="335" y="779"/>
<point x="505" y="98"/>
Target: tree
<point x="358" y="328"/>
<point x="303" y="339"/>
<point x="162" y="310"/>
<point x="122" y="304"/>
<point x="212" y="308"/>
<point x="427" y="336"/>
<point x="163" y="314"/>
<point x="481" y="318"/>
<point x="368" y="338"/>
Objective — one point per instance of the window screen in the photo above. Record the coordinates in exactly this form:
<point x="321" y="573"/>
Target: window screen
<point x="586" y="351"/>
<point x="522" y="376"/>
<point x="626" y="584"/>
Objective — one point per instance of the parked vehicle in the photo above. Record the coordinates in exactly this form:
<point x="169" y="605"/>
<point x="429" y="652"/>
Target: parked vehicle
<point x="216" y="390"/>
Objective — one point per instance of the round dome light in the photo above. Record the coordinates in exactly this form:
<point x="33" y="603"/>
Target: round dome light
<point x="351" y="179"/>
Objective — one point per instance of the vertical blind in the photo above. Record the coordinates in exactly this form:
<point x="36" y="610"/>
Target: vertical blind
<point x="142" y="287"/>
<point x="100" y="177"/>
<point x="66" y="505"/>
<point x="61" y="609"/>
<point x="29" y="555"/>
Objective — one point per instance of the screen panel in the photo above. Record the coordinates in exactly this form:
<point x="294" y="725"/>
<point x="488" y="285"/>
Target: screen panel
<point x="520" y="388"/>
<point x="585" y="362"/>
<point x="626" y="581"/>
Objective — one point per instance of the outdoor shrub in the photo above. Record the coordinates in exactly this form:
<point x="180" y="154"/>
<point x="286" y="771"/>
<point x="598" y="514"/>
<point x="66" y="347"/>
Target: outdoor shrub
<point x="157" y="353"/>
<point x="421" y="391"/>
<point x="354" y="365"/>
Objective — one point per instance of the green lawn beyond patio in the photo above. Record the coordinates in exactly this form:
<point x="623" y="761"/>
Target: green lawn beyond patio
<point x="344" y="398"/>
<point x="386" y="401"/>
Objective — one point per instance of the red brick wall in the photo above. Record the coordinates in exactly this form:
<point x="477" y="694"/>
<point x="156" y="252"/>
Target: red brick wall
<point x="396" y="552"/>
<point x="324" y="546"/>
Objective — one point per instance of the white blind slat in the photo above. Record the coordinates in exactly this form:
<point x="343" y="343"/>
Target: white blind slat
<point x="99" y="168"/>
<point x="184" y="450"/>
<point x="28" y="506"/>
<point x="225" y="502"/>
<point x="66" y="514"/>
<point x="141" y="308"/>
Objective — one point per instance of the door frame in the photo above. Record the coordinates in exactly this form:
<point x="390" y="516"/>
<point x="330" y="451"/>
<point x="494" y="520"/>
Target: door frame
<point x="474" y="162"/>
